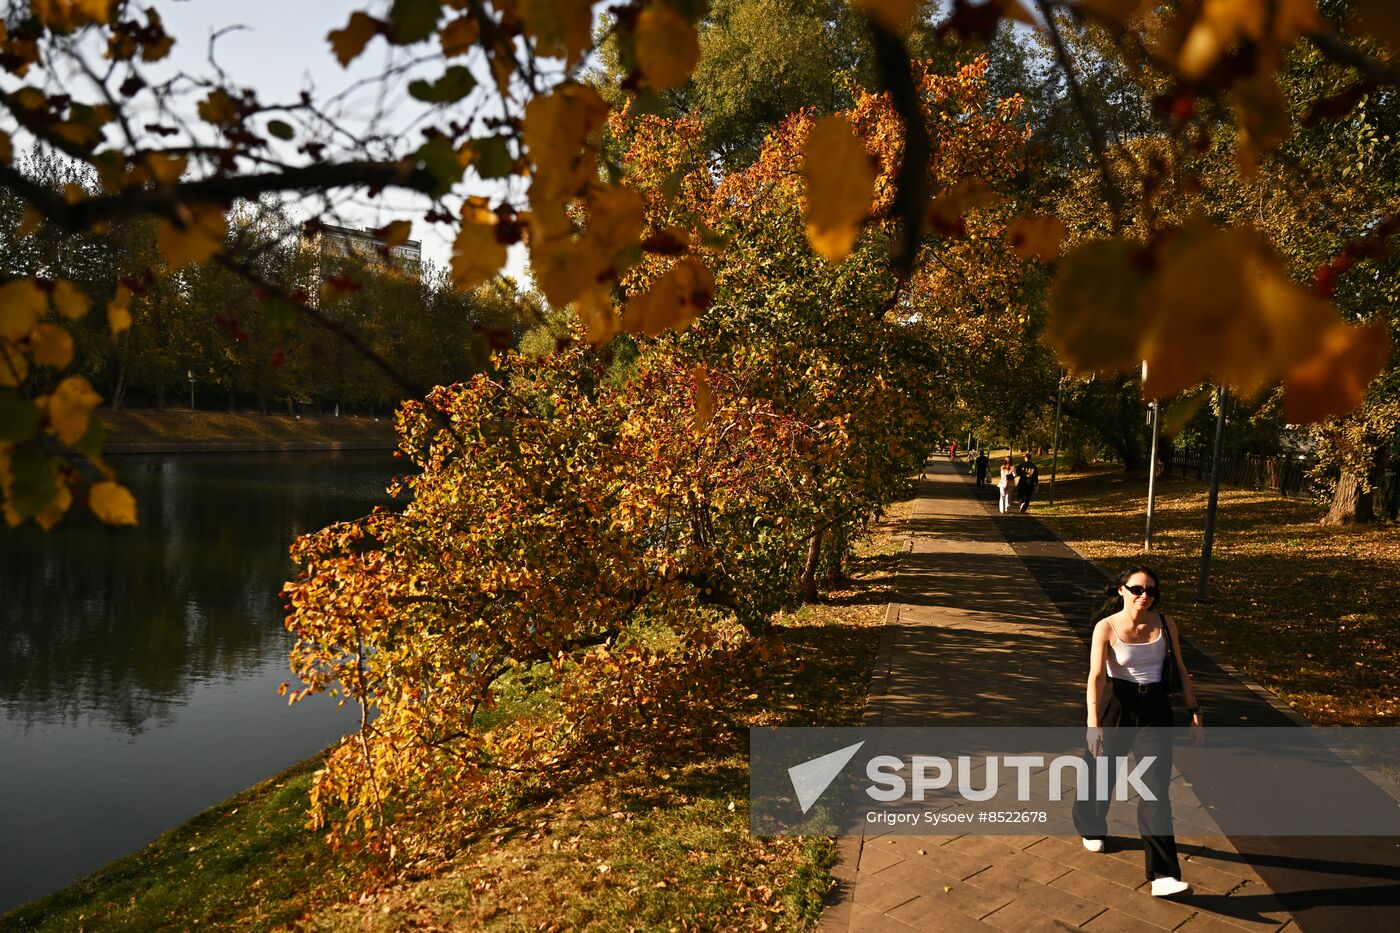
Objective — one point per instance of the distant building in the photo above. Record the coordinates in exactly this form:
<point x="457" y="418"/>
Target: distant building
<point x="330" y="240"/>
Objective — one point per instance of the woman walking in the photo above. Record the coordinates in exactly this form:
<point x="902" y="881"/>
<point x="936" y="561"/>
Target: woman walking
<point x="1132" y="656"/>
<point x="1008" y="482"/>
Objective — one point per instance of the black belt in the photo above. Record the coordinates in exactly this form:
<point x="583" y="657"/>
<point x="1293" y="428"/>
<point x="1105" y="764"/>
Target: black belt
<point x="1133" y="685"/>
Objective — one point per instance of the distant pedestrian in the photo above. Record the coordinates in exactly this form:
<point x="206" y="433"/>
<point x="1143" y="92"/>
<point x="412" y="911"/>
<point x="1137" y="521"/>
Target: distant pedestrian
<point x="1132" y="651"/>
<point x="1007" y="483"/>
<point x="953" y="451"/>
<point x="981" y="464"/>
<point x="1027" y="478"/>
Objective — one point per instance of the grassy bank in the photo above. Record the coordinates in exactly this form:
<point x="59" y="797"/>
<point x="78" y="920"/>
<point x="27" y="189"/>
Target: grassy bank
<point x="139" y="428"/>
<point x="663" y="846"/>
<point x="1307" y="610"/>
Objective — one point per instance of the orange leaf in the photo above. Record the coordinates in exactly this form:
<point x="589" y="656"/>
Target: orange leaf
<point x="21" y="306"/>
<point x="199" y="237"/>
<point x="51" y="345"/>
<point x="70" y="302"/>
<point x="1094" y="322"/>
<point x="458" y="36"/>
<point x="1036" y="237"/>
<point x="560" y="28"/>
<point x="118" y="311"/>
<point x="704" y="397"/>
<point x="349" y="42"/>
<point x="113" y="503"/>
<point x="667" y="46"/>
<point x="1333" y="380"/>
<point x="840" y="184"/>
<point x="674" y="301"/>
<point x="69" y="408"/>
<point x="477" y="255"/>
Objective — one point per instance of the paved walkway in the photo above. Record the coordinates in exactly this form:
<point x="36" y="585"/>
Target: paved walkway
<point x="989" y="631"/>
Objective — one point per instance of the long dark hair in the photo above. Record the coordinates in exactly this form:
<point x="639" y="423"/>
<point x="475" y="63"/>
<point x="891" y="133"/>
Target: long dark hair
<point x="1114" y="602"/>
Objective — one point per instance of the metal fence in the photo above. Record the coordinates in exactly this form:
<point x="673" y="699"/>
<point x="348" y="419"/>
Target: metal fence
<point x="1286" y="475"/>
<point x="1283" y="474"/>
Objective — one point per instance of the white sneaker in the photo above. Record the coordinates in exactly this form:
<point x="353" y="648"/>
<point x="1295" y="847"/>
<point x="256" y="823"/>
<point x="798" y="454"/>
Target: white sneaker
<point x="1166" y="887"/>
<point x="1093" y="845"/>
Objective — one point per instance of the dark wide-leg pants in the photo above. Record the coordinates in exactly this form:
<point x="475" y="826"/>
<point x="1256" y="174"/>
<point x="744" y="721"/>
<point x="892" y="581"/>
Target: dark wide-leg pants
<point x="1139" y="722"/>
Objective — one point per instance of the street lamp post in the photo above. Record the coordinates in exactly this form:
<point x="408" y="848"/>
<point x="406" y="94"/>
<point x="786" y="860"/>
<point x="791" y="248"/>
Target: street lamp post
<point x="1154" y="416"/>
<point x="1055" y="457"/>
<point x="190" y="374"/>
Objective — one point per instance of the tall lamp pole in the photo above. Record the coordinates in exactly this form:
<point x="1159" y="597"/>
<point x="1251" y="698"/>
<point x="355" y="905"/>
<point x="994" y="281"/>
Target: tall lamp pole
<point x="190" y="373"/>
<point x="1055" y="456"/>
<point x="1154" y="417"/>
<point x="1203" y="581"/>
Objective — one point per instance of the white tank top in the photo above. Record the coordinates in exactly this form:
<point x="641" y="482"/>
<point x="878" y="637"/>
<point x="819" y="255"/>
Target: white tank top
<point x="1140" y="663"/>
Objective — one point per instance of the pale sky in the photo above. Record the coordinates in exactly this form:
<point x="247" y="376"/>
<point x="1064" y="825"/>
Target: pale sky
<point x="283" y="50"/>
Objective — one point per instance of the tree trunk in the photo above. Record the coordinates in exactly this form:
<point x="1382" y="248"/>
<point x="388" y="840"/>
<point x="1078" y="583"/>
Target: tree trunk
<point x="119" y="391"/>
<point x="809" y="569"/>
<point x="232" y="402"/>
<point x="290" y="410"/>
<point x="262" y="403"/>
<point x="160" y="398"/>
<point x="1354" y="500"/>
<point x="1350" y="504"/>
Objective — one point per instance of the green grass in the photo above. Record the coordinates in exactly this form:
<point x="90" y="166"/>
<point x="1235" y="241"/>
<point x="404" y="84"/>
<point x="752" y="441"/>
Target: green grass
<point x="247" y="864"/>
<point x="1307" y="610"/>
<point x="660" y="845"/>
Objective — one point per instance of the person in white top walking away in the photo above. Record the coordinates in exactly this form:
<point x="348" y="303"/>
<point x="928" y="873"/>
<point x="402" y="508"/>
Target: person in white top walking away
<point x="1008" y="482"/>
<point x="1131" y="656"/>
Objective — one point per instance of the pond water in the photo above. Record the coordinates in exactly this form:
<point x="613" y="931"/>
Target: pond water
<point x="139" y="666"/>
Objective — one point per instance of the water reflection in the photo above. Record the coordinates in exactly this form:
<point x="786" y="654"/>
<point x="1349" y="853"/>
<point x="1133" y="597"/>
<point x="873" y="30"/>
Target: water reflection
<point x="120" y="623"/>
<point x="126" y="654"/>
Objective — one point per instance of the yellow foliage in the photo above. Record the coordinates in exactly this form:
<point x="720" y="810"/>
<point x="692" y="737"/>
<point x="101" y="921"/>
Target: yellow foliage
<point x="53" y="511"/>
<point x="704" y="396"/>
<point x="560" y="28"/>
<point x="396" y="232"/>
<point x="113" y="503"/>
<point x="67" y="15"/>
<point x="668" y="46"/>
<point x="51" y="345"/>
<point x="22" y="303"/>
<point x="1036" y="237"/>
<point x="218" y="108"/>
<point x="119" y="311"/>
<point x="1221" y="304"/>
<point x="840" y="184"/>
<point x="69" y="408"/>
<point x="70" y="302"/>
<point x="198" y="237"/>
<point x="1094" y="323"/>
<point x="561" y="130"/>
<point x="674" y="301"/>
<point x="29" y="222"/>
<point x="477" y="255"/>
<point x="350" y="41"/>
<point x="458" y="36"/>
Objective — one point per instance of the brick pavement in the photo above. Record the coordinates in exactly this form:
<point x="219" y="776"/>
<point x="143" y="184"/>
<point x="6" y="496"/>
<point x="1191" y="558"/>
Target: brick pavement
<point x="975" y="639"/>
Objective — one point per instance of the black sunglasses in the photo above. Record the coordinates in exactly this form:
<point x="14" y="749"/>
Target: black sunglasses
<point x="1139" y="590"/>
